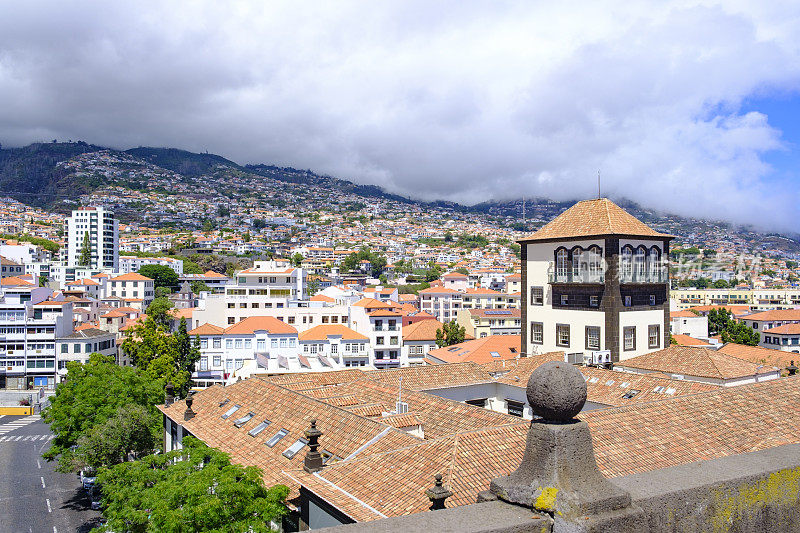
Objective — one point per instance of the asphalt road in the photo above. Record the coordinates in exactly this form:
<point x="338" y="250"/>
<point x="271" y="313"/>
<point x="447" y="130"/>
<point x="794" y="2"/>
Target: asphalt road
<point x="33" y="496"/>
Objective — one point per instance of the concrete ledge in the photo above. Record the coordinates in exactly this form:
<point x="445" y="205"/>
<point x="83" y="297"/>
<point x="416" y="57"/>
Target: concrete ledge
<point x="485" y="517"/>
<point x="16" y="411"/>
<point x="758" y="491"/>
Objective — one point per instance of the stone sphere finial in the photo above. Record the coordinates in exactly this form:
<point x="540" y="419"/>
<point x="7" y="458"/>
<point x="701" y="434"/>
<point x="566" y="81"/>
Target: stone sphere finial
<point x="556" y="391"/>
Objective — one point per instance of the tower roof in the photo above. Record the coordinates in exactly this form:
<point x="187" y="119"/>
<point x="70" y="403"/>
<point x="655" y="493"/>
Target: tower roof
<point x="592" y="218"/>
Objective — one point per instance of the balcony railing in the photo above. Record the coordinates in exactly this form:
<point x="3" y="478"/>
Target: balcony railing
<point x="580" y="277"/>
<point x="644" y="277"/>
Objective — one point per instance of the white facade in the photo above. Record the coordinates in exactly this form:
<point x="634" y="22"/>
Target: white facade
<point x="103" y="231"/>
<point x="566" y="289"/>
<point x="129" y="263"/>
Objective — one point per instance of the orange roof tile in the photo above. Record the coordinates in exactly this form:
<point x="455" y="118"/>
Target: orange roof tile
<point x="695" y="361"/>
<point x="686" y="340"/>
<point x="479" y="350"/>
<point x="207" y="329"/>
<point x="324" y="331"/>
<point x="132" y="276"/>
<point x="590" y="218"/>
<point x="257" y="323"/>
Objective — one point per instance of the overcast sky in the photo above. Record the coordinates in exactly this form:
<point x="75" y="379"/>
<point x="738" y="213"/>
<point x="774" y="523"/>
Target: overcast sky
<point x="691" y="107"/>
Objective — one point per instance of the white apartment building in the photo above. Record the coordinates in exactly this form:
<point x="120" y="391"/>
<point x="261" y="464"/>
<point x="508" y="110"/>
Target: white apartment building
<point x="441" y="302"/>
<point x="135" y="289"/>
<point x="785" y="337"/>
<point x="688" y="323"/>
<point x="339" y="344"/>
<point x="103" y="232"/>
<point x="79" y="345"/>
<point x="30" y="325"/>
<point x="595" y="279"/>
<point x="130" y="263"/>
<point x="384" y="327"/>
<point x="263" y="341"/>
<point x="10" y="268"/>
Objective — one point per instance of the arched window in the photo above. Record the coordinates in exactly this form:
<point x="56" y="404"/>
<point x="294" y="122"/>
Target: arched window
<point x="593" y="267"/>
<point x="576" y="262"/>
<point x="562" y="264"/>
<point x="626" y="263"/>
<point x="639" y="263"/>
<point x="654" y="258"/>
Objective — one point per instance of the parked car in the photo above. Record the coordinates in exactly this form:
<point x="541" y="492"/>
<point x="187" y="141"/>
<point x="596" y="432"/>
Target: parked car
<point x="88" y="478"/>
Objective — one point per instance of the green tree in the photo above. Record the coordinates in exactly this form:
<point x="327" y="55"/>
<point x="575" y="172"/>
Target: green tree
<point x="85" y="258"/>
<point x="190" y="490"/>
<point x="163" y="356"/>
<point x="158" y="310"/>
<point x="199" y="286"/>
<point x="297" y="260"/>
<point x="739" y="333"/>
<point x="720" y="284"/>
<point x="92" y="394"/>
<point x="162" y="276"/>
<point x="246" y="237"/>
<point x="162" y="292"/>
<point x="718" y="320"/>
<point x="133" y="430"/>
<point x="43" y="279"/>
<point x="450" y="333"/>
<point x="791" y="265"/>
<point x="312" y="286"/>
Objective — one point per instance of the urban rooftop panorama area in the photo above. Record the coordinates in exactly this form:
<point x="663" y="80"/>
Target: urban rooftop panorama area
<point x="400" y="267"/>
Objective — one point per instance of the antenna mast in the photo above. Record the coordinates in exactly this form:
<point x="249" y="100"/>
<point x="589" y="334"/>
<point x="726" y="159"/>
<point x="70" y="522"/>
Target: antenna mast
<point x="598" y="184"/>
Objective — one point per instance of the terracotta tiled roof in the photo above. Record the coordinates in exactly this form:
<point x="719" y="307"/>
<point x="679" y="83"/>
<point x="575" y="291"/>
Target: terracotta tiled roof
<point x="439" y="290"/>
<point x="52" y="303"/>
<point x="15" y="281"/>
<point x="322" y="298"/>
<point x="695" y="361"/>
<point x="786" y="329"/>
<point x="496" y="313"/>
<point x="478" y="350"/>
<point x="775" y="314"/>
<point x="207" y="329"/>
<point x="372" y="303"/>
<point x="385" y="312"/>
<point x="487" y="292"/>
<point x="610" y="387"/>
<point x="455" y="275"/>
<point x="323" y="331"/>
<point x="132" y="276"/>
<point x="627" y="440"/>
<point x="737" y="310"/>
<point x="686" y="340"/>
<point x="429" y="377"/>
<point x="88" y="282"/>
<point x="311" y="380"/>
<point x="759" y="354"/>
<point x="682" y="314"/>
<point x="594" y="218"/>
<point x="212" y="274"/>
<point x="424" y="330"/>
<point x="252" y="324"/>
<point x="343" y="433"/>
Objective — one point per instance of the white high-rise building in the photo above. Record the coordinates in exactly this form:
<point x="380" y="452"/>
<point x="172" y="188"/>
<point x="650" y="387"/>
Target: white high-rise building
<point x="103" y="231"/>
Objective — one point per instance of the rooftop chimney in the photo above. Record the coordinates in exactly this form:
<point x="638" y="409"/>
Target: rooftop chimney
<point x="437" y="494"/>
<point x="189" y="414"/>
<point x="169" y="397"/>
<point x="792" y="369"/>
<point x="313" y="460"/>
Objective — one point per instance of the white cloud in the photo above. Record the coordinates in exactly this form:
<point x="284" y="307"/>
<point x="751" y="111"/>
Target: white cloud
<point x="457" y="100"/>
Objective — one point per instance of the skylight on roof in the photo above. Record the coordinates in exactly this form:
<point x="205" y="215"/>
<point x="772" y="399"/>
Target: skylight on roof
<point x="670" y="391"/>
<point x="277" y="437"/>
<point x="624" y="384"/>
<point x="259" y="428"/>
<point x="593" y="380"/>
<point x="659" y="389"/>
<point x="292" y="450"/>
<point x="230" y="411"/>
<point x="224" y="402"/>
<point x="454" y="349"/>
<point x="630" y="394"/>
<point x="494" y="354"/>
<point x="242" y="421"/>
<point x="610" y="382"/>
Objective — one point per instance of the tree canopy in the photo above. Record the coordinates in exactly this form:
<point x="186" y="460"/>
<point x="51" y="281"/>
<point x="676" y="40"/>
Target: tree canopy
<point x="377" y="262"/>
<point x="721" y="322"/>
<point x="162" y="276"/>
<point x="190" y="490"/>
<point x="163" y="356"/>
<point x="158" y="310"/>
<point x="91" y="395"/>
<point x="450" y="333"/>
<point x="86" y="251"/>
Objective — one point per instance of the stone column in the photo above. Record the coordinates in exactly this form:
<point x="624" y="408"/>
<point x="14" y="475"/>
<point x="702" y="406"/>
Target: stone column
<point x="559" y="475"/>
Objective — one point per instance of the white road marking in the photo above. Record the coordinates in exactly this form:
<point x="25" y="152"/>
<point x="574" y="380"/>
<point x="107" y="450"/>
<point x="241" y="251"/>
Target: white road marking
<point x="42" y="478"/>
<point x="38" y="463"/>
<point x="55" y="530"/>
<point x="49" y="509"/>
